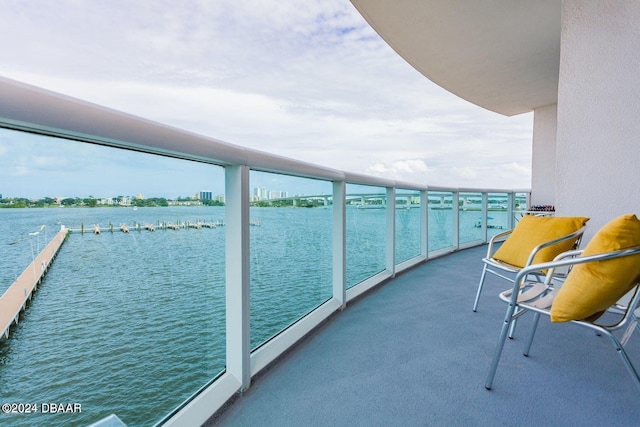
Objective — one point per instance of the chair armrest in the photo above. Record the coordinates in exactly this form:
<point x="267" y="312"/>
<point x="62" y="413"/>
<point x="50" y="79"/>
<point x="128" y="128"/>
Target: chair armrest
<point x="498" y="238"/>
<point x="566" y="259"/>
<point x="576" y="235"/>
<point x="567" y="254"/>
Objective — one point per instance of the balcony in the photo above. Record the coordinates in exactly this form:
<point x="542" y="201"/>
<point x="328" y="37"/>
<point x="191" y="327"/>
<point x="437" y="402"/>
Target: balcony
<point x="396" y="333"/>
<point x="412" y="352"/>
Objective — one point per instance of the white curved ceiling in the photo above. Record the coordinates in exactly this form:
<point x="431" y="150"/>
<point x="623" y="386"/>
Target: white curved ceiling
<point x="502" y="55"/>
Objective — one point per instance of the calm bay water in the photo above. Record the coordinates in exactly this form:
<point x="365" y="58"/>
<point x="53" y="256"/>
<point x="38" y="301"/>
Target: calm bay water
<point x="133" y="324"/>
<point x="125" y="323"/>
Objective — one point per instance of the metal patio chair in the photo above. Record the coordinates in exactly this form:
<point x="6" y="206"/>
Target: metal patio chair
<point x="539" y="298"/>
<point x="501" y="268"/>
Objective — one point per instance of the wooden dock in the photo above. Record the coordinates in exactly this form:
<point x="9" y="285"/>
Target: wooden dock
<point x="158" y="225"/>
<point x="15" y="299"/>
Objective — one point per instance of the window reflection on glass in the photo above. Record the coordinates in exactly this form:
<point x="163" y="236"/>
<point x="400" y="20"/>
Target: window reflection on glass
<point x="440" y="220"/>
<point x="366" y="232"/>
<point x="135" y="320"/>
<point x="407" y="225"/>
<point x="291" y="250"/>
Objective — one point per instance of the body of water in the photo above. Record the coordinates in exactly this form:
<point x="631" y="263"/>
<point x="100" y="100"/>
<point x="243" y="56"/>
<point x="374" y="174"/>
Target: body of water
<point x="133" y="324"/>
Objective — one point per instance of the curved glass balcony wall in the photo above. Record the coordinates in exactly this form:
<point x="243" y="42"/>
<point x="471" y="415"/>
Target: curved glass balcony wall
<point x="408" y="225"/>
<point x="291" y="224"/>
<point x="441" y="220"/>
<point x="520" y="205"/>
<point x="120" y="316"/>
<point x="499" y="213"/>
<point x="471" y="214"/>
<point x="181" y="319"/>
<point x="366" y="232"/>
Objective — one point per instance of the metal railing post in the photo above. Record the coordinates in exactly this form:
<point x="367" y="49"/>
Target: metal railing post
<point x="511" y="201"/>
<point x="237" y="273"/>
<point x="391" y="231"/>
<point x="424" y="224"/>
<point x="455" y="212"/>
<point x="339" y="234"/>
<point x="484" y="224"/>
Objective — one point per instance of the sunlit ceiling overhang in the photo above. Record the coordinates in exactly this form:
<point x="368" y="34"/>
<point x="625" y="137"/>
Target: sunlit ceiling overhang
<point x="502" y="55"/>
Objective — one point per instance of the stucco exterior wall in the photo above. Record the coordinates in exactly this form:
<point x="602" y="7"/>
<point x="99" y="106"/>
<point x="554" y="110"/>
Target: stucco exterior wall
<point x="543" y="159"/>
<point x="598" y="139"/>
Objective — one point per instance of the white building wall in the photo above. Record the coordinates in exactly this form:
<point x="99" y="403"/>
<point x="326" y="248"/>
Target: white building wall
<point x="543" y="159"/>
<point x="598" y="153"/>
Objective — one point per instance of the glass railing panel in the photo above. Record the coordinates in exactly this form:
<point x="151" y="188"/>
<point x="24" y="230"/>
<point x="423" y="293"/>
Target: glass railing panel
<point x="470" y="217"/>
<point x="440" y="220"/>
<point x="520" y="206"/>
<point x="126" y="323"/>
<point x="407" y="225"/>
<point x="497" y="212"/>
<point x="290" y="250"/>
<point x="366" y="232"/>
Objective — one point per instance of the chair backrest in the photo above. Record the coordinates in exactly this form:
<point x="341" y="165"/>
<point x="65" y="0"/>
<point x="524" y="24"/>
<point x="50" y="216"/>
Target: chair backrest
<point x="607" y="269"/>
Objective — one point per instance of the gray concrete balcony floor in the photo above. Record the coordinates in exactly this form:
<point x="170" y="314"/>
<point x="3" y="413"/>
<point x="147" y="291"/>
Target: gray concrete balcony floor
<point x="412" y="352"/>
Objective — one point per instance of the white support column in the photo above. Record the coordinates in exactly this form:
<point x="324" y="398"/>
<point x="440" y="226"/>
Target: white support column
<point x="485" y="216"/>
<point x="391" y="230"/>
<point x="424" y="224"/>
<point x="511" y="202"/>
<point x="237" y="273"/>
<point x="543" y="155"/>
<point x="455" y="213"/>
<point x="340" y="242"/>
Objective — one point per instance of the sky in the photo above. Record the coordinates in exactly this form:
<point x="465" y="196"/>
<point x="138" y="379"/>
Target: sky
<point x="309" y="80"/>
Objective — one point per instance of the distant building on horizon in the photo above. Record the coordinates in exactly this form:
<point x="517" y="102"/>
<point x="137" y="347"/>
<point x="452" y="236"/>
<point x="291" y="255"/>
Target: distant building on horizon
<point x="206" y="195"/>
<point x="278" y="194"/>
<point x="261" y="193"/>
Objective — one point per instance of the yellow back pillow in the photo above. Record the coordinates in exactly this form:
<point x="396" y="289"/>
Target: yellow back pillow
<point x="593" y="287"/>
<point x="534" y="230"/>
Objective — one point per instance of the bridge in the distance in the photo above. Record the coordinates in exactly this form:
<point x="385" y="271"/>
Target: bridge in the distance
<point x="410" y="199"/>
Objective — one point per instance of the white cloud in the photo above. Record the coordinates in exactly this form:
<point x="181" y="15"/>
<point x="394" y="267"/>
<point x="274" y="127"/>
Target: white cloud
<point x="404" y="170"/>
<point x="465" y="172"/>
<point x="397" y="168"/>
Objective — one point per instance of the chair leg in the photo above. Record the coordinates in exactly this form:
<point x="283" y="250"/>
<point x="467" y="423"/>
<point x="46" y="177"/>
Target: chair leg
<point x="484" y="272"/>
<point x="512" y="328"/>
<point x="499" y="346"/>
<point x="512" y="331"/>
<point x="534" y="326"/>
<point x="633" y="325"/>
<point x="625" y="359"/>
<point x="629" y="331"/>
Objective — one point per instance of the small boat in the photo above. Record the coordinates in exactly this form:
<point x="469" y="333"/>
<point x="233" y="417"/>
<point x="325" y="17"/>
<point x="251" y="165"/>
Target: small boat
<point x="490" y="223"/>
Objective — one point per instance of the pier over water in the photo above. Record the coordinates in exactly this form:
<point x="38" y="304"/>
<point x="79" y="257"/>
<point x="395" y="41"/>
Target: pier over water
<point x="15" y="298"/>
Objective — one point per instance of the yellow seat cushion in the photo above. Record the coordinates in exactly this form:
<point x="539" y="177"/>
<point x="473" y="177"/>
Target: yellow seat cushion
<point x="591" y="288"/>
<point x="534" y="230"/>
